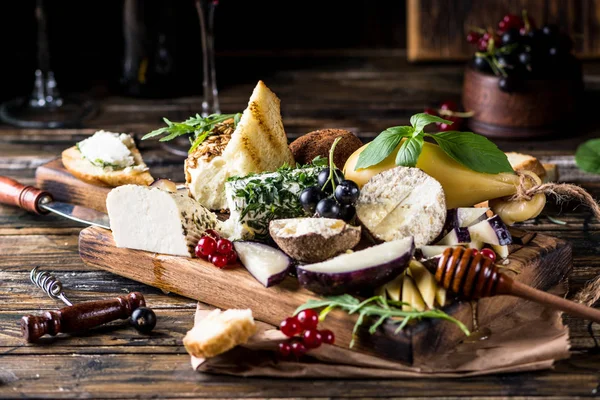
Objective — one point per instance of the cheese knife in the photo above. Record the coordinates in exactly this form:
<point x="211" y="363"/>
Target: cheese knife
<point x="41" y="202"/>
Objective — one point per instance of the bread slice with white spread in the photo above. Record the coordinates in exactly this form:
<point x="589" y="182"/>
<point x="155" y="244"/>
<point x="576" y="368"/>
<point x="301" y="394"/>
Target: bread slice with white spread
<point x="258" y="144"/>
<point x="218" y="332"/>
<point x="107" y="159"/>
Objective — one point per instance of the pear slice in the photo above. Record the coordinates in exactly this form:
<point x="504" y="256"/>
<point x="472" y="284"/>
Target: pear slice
<point x="425" y="282"/>
<point x="411" y="295"/>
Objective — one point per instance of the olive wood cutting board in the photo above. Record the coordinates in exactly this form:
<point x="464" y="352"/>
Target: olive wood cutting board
<point x="541" y="261"/>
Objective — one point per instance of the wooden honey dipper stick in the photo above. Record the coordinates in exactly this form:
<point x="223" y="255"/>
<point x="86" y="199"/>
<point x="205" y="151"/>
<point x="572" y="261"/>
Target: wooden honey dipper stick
<point x="472" y="277"/>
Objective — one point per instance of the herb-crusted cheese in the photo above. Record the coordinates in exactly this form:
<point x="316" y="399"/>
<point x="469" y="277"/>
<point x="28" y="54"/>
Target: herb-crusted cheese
<point x="108" y="150"/>
<point x="151" y="219"/>
<point x="256" y="200"/>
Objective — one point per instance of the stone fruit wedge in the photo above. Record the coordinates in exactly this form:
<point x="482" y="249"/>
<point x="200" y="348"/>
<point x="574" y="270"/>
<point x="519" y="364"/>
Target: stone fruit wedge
<point x="360" y="270"/>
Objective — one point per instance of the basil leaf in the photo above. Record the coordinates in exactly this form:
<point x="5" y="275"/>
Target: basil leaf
<point x="410" y="151"/>
<point x="382" y="146"/>
<point x="420" y="121"/>
<point x="587" y="156"/>
<point x="473" y="151"/>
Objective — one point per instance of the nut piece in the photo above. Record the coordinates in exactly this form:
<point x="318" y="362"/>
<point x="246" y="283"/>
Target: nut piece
<point x="318" y="143"/>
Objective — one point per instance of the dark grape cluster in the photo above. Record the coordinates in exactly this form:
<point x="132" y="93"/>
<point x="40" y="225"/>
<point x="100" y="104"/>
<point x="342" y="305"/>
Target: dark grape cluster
<point x="517" y="51"/>
<point x="334" y="197"/>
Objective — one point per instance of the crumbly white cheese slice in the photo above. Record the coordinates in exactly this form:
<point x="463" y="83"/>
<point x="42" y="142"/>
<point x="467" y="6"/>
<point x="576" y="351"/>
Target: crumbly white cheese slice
<point x="108" y="149"/>
<point x="151" y="219"/>
<point x="402" y="202"/>
<point x="207" y="181"/>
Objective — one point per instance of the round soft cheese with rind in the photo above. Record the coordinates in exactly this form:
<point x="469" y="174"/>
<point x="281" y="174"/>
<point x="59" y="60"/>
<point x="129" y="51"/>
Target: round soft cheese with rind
<point x="402" y="202"/>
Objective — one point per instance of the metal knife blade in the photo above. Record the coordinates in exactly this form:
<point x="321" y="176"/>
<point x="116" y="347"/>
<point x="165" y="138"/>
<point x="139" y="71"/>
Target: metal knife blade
<point x="77" y="213"/>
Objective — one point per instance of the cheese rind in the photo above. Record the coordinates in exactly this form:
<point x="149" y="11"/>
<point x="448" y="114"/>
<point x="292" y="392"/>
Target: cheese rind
<point x="151" y="219"/>
<point x="402" y="202"/>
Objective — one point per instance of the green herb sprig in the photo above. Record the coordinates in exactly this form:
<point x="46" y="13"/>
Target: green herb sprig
<point x="377" y="307"/>
<point x="467" y="148"/>
<point x="199" y="127"/>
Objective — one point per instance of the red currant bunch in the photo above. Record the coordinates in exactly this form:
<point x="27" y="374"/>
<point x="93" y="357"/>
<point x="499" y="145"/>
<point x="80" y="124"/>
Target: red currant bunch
<point x="217" y="250"/>
<point x="449" y="111"/>
<point x="303" y="333"/>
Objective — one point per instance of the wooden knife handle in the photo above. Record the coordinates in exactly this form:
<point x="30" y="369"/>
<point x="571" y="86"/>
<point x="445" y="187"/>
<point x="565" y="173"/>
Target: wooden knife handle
<point x="27" y="197"/>
<point x="80" y="317"/>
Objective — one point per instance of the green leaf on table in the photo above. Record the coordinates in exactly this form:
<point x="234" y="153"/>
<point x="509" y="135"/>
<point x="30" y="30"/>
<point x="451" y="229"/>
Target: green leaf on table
<point x="410" y="151"/>
<point x="473" y="151"/>
<point x="587" y="156"/>
<point x="420" y="121"/>
<point x="382" y="146"/>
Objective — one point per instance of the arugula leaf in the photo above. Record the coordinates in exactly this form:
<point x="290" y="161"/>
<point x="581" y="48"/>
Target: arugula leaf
<point x="587" y="156"/>
<point x="420" y="121"/>
<point x="473" y="151"/>
<point x="382" y="146"/>
<point x="410" y="151"/>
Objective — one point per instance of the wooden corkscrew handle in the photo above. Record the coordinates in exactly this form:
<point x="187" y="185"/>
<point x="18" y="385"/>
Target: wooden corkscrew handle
<point x="80" y="317"/>
<point x="473" y="276"/>
<point x="28" y="198"/>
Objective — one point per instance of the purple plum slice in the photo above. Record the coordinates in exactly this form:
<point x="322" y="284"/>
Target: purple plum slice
<point x="491" y="231"/>
<point x="360" y="270"/>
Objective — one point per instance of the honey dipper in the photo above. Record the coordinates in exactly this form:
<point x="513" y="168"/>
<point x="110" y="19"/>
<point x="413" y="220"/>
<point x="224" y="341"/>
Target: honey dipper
<point x="473" y="276"/>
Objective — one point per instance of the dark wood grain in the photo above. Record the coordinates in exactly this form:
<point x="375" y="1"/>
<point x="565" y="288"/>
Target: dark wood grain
<point x="437" y="28"/>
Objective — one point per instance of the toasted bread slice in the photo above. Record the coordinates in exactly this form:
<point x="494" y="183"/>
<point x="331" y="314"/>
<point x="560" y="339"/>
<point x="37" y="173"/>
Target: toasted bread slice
<point x="218" y="332"/>
<point x="82" y="169"/>
<point x="525" y="162"/>
<point x="258" y="144"/>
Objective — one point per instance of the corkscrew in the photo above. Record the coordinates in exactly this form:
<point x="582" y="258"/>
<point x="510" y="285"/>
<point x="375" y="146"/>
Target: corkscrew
<point x="49" y="284"/>
<point x="472" y="276"/>
<point x="83" y="316"/>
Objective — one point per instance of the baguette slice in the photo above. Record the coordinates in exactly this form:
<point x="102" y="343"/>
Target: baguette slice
<point x="218" y="332"/>
<point x="525" y="162"/>
<point x="90" y="173"/>
<point x="258" y="144"/>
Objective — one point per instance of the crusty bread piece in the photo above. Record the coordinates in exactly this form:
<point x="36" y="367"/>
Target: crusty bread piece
<point x="90" y="173"/>
<point x="525" y="162"/>
<point x="258" y="144"/>
<point x="218" y="332"/>
<point x="551" y="172"/>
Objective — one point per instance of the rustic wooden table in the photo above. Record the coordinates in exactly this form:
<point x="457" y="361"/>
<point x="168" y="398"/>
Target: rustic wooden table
<point x="364" y="92"/>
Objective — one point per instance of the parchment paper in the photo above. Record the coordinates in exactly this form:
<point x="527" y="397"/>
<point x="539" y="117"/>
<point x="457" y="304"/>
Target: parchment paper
<point x="530" y="338"/>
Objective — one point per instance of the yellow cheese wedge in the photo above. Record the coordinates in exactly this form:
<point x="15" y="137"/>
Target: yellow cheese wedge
<point x="463" y="187"/>
<point x="411" y="295"/>
<point x="425" y="282"/>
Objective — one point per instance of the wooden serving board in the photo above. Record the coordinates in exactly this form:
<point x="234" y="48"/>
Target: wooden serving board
<point x="54" y="178"/>
<point x="542" y="262"/>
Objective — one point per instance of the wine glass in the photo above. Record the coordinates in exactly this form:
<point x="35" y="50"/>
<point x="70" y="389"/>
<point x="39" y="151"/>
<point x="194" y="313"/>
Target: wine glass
<point x="210" y="101"/>
<point x="45" y="107"/>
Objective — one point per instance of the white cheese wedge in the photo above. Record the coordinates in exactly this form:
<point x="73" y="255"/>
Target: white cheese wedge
<point x="108" y="149"/>
<point x="402" y="202"/>
<point x="151" y="219"/>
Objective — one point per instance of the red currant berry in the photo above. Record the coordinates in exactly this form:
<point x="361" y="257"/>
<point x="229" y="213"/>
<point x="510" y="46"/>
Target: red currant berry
<point x="444" y="127"/>
<point x="224" y="246"/>
<point x="328" y="336"/>
<point x="232" y="257"/>
<point x="430" y="111"/>
<point x="212" y="233"/>
<point x="312" y="338"/>
<point x="489" y="253"/>
<point x="482" y="44"/>
<point x="298" y="349"/>
<point x="290" y="326"/>
<point x="206" y="246"/>
<point x="308" y="319"/>
<point x="502" y="26"/>
<point x="218" y="260"/>
<point x="448" y="105"/>
<point x="474" y="252"/>
<point x="473" y="37"/>
<point x="284" y="349"/>
<point x="512" y="21"/>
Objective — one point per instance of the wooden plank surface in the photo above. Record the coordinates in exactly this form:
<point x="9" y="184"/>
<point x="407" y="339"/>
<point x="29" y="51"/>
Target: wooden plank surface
<point x="365" y="91"/>
<point x="437" y="28"/>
